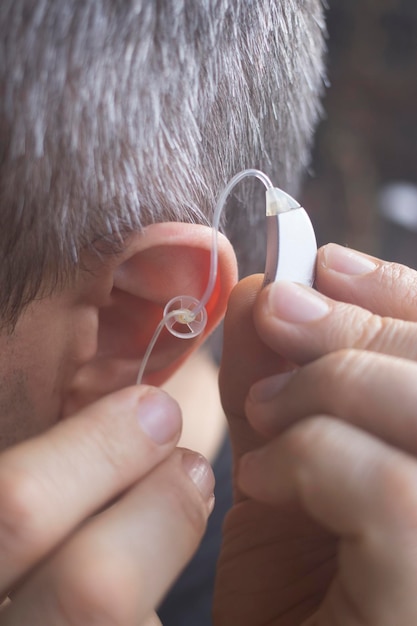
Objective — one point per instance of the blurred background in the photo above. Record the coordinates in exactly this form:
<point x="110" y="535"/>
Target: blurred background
<point x="362" y="187"/>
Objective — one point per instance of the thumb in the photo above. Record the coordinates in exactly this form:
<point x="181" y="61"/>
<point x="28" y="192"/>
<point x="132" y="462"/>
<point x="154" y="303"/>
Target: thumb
<point x="246" y="359"/>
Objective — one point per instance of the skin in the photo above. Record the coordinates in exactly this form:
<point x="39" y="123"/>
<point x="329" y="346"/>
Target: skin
<point x="314" y="537"/>
<point x="323" y="529"/>
<point x="53" y="339"/>
<point x="100" y="510"/>
<point x="105" y="571"/>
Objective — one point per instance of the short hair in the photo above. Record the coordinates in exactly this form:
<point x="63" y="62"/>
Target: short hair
<point x="115" y="114"/>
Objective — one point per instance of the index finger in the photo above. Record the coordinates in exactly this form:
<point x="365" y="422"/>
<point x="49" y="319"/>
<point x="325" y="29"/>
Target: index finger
<point x="374" y="392"/>
<point x="387" y="289"/>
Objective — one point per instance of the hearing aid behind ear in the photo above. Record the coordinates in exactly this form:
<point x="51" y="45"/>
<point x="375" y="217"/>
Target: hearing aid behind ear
<point x="291" y="248"/>
<point x="291" y="255"/>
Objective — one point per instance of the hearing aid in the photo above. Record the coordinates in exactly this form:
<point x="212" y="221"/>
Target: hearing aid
<point x="291" y="248"/>
<point x="291" y="251"/>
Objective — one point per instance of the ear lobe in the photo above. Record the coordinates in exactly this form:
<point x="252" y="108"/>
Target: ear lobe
<point x="166" y="260"/>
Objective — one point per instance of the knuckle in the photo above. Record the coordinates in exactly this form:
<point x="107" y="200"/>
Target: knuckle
<point x="114" y="453"/>
<point x="303" y="443"/>
<point x="323" y="380"/>
<point x="302" y="440"/>
<point x="399" y="485"/>
<point x="339" y="366"/>
<point x="396" y="276"/>
<point x="103" y="591"/>
<point x="360" y="329"/>
<point x="22" y="507"/>
<point x="108" y="450"/>
<point x="341" y="372"/>
<point x="352" y="363"/>
<point x="372" y="329"/>
<point x="378" y="333"/>
<point x="392" y="337"/>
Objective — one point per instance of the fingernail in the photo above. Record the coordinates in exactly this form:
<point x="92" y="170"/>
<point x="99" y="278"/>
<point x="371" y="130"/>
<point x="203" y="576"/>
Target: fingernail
<point x="266" y="389"/>
<point x="296" y="304"/>
<point x="159" y="416"/>
<point x="201" y="474"/>
<point x="347" y="261"/>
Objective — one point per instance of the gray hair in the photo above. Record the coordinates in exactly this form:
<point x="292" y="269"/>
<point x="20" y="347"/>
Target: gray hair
<point x="115" y="114"/>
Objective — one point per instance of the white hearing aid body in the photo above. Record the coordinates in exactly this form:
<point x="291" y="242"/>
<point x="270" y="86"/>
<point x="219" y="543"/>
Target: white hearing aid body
<point x="291" y="255"/>
<point x="291" y="248"/>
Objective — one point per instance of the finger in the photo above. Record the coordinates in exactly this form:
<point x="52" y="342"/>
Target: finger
<point x="388" y="289"/>
<point x="50" y="484"/>
<point x="117" y="568"/>
<point x="245" y="359"/>
<point x="358" y="488"/>
<point x="153" y="620"/>
<point x="344" y="477"/>
<point x="301" y="324"/>
<point x="362" y="388"/>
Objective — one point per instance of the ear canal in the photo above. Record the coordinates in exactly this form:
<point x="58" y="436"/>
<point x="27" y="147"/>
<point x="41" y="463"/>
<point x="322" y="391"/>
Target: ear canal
<point x="185" y="317"/>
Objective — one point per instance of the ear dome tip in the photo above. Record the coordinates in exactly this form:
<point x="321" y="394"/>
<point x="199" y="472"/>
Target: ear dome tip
<point x="181" y="321"/>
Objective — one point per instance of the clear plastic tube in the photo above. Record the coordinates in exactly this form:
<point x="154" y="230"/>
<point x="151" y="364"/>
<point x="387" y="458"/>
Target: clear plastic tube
<point x="151" y="345"/>
<point x="221" y="202"/>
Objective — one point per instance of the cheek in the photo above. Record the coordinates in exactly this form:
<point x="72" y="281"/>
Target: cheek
<point x="45" y="380"/>
<point x="37" y="369"/>
<point x="31" y="400"/>
<point x="57" y="355"/>
<point x="20" y="418"/>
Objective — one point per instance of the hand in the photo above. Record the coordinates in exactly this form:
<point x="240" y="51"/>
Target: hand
<point x="324" y="528"/>
<point x="100" y="514"/>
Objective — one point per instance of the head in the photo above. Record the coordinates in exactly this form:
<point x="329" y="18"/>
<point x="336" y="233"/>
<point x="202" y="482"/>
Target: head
<point x="120" y="123"/>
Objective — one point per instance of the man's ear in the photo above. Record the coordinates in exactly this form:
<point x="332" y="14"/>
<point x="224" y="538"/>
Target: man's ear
<point x="164" y="261"/>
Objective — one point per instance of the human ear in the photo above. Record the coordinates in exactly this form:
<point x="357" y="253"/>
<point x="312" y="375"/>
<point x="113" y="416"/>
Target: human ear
<point x="164" y="261"/>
